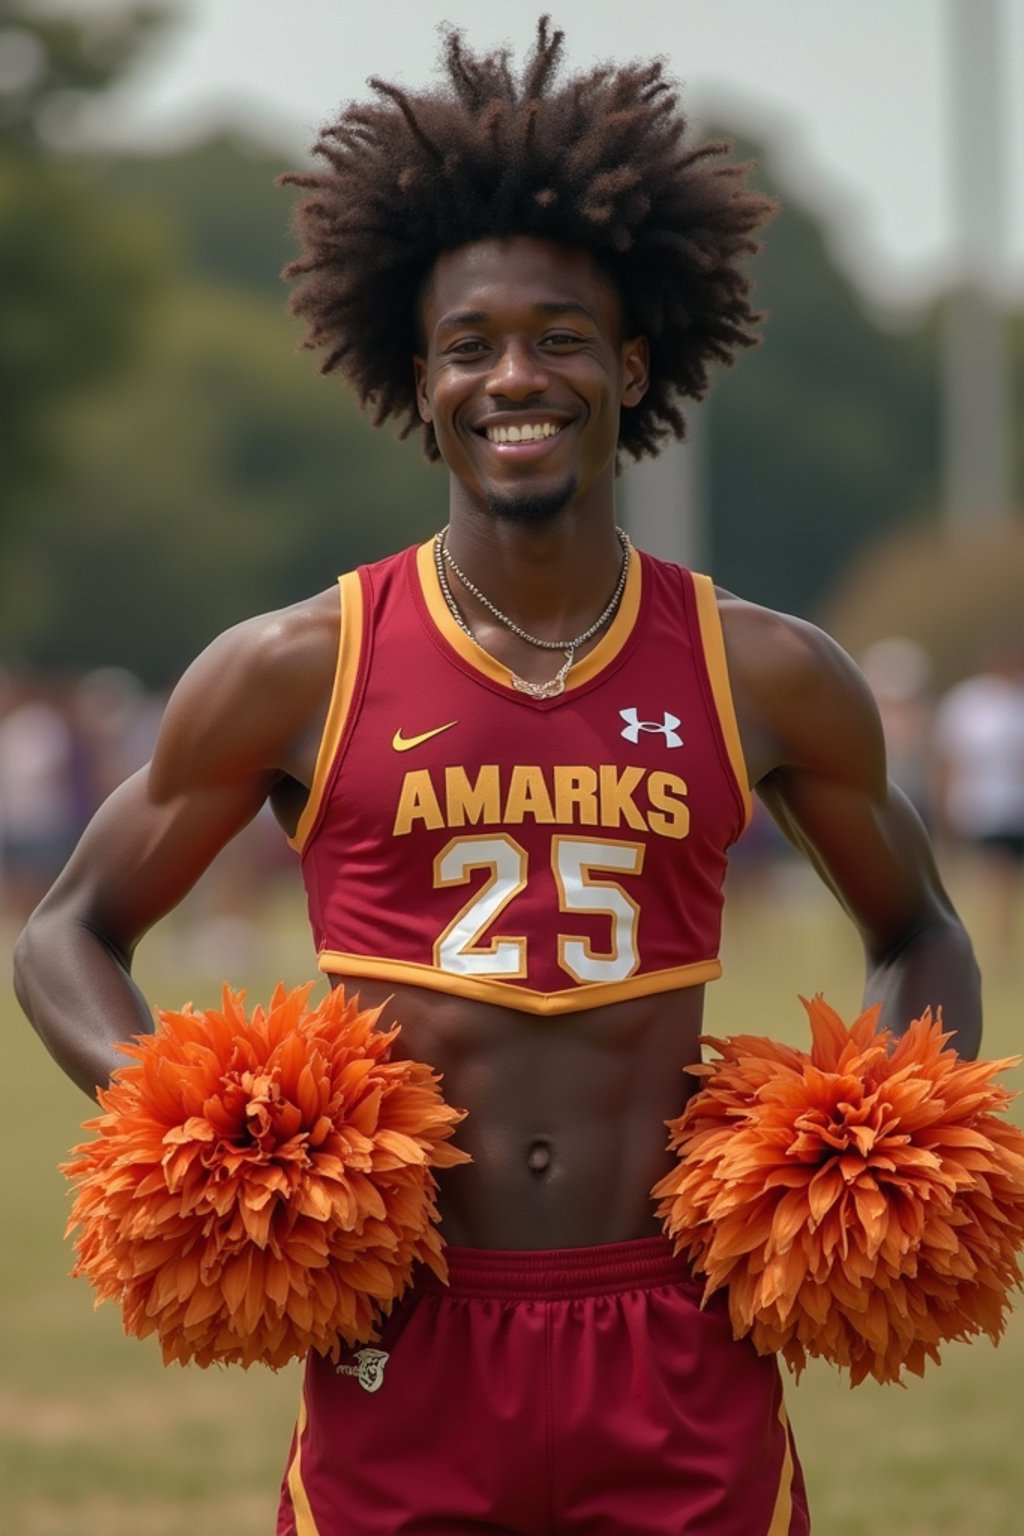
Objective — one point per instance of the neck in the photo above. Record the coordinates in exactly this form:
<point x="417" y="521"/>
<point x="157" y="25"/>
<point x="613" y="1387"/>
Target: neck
<point x="552" y="577"/>
<point x="569" y="645"/>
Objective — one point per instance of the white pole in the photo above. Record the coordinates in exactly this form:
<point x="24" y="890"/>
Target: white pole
<point x="976" y="378"/>
<point x="661" y="500"/>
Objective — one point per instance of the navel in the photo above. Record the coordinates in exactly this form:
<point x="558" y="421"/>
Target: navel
<point x="538" y="1158"/>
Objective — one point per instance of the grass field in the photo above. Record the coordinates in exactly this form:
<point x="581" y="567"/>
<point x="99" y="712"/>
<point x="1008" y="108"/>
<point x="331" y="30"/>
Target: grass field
<point x="97" y="1439"/>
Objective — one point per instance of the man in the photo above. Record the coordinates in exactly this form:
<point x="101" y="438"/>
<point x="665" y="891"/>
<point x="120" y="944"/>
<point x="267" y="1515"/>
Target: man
<point x="979" y="756"/>
<point x="513" y="768"/>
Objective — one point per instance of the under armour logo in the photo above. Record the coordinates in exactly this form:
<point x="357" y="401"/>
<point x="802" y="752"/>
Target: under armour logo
<point x="631" y="730"/>
<point x="369" y="1368"/>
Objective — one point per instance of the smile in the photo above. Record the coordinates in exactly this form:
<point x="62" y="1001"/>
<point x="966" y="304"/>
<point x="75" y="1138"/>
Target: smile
<point x="525" y="432"/>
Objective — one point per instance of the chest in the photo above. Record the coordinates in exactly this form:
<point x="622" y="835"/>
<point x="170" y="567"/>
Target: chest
<point x="438" y="745"/>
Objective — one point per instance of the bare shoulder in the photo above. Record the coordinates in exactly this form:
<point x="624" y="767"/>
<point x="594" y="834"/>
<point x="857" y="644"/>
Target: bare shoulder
<point x="766" y="647"/>
<point x="289" y="649"/>
<point x="799" y="697"/>
<point x="257" y="696"/>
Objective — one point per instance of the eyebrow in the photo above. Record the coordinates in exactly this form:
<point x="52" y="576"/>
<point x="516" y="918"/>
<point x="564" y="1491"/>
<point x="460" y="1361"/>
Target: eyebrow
<point x="547" y="307"/>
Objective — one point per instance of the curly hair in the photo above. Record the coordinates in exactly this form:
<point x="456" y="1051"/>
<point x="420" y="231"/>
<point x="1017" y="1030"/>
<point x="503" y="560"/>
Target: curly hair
<point x="598" y="162"/>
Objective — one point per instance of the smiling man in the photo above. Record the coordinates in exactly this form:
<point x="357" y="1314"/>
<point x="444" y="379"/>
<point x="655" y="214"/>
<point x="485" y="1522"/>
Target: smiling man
<point x="532" y="432"/>
<point x="513" y="762"/>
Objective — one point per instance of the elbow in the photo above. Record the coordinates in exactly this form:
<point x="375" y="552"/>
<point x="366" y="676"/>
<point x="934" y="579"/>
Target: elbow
<point x="42" y="938"/>
<point x="24" y="965"/>
<point x="962" y="1013"/>
<point x="931" y="969"/>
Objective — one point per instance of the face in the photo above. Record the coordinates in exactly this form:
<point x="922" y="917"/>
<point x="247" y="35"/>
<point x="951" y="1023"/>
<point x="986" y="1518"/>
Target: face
<point x="525" y="373"/>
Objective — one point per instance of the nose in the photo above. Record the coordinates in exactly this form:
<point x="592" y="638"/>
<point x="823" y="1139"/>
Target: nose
<point x="517" y="373"/>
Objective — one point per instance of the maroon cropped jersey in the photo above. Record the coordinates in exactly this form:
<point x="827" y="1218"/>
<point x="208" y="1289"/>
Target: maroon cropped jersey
<point x="547" y="855"/>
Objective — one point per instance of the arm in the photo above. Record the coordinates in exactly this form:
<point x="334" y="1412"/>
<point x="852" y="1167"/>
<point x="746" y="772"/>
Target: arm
<point x="243" y="724"/>
<point x="815" y="753"/>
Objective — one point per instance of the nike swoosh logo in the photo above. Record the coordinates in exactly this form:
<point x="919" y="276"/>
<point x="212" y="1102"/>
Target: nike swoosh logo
<point x="404" y="743"/>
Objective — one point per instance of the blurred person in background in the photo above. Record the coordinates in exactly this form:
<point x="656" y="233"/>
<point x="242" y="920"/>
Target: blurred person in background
<point x="118" y="720"/>
<point x="899" y="673"/>
<point x="39" y="818"/>
<point x="980" y="792"/>
<point x="513" y="762"/>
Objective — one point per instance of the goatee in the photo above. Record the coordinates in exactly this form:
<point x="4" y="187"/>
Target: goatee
<point x="527" y="506"/>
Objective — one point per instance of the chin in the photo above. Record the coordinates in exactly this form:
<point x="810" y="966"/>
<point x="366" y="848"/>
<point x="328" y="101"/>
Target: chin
<point x="531" y="506"/>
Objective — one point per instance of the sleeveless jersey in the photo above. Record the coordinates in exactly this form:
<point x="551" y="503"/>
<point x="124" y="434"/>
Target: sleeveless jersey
<point x="547" y="855"/>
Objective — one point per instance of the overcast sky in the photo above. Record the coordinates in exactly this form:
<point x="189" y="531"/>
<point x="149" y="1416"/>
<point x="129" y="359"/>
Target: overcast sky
<point x="852" y="95"/>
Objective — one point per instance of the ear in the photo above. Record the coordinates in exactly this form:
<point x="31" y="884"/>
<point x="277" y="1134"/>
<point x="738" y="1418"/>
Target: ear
<point x="419" y="365"/>
<point x="636" y="369"/>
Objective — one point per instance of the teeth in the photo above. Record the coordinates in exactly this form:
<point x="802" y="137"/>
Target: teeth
<point x="529" y="432"/>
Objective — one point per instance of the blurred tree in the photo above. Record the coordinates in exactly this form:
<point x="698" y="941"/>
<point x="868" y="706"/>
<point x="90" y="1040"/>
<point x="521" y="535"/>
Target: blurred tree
<point x="954" y="593"/>
<point x="217" y="477"/>
<point x="231" y="223"/>
<point x="215" y="474"/>
<point x="825" y="437"/>
<point x="74" y="267"/>
<point x="54" y="63"/>
<point x="74" y="275"/>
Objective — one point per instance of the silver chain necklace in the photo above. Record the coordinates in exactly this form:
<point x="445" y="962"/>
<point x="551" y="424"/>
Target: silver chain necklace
<point x="556" y="685"/>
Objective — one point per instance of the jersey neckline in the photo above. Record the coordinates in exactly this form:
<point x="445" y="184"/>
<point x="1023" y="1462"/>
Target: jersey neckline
<point x="480" y="661"/>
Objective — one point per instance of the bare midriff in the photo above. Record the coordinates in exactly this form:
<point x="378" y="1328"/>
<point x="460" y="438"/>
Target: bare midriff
<point x="566" y="1117"/>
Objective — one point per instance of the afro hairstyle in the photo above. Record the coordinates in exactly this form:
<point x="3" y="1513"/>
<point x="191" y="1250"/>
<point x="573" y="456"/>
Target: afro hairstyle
<point x="600" y="161"/>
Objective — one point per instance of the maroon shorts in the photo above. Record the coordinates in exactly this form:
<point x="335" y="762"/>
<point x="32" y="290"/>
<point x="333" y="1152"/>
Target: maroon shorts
<point x="578" y="1391"/>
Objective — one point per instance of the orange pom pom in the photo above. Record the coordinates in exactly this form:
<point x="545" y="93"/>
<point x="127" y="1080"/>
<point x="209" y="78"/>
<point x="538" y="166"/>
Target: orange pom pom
<point x="862" y="1204"/>
<point x="260" y="1188"/>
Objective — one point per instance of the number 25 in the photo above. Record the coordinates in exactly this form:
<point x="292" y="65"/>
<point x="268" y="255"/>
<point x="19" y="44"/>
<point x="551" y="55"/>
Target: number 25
<point x="462" y="950"/>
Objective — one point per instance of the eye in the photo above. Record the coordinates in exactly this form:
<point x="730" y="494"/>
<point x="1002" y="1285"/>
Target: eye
<point x="470" y="346"/>
<point x="562" y="339"/>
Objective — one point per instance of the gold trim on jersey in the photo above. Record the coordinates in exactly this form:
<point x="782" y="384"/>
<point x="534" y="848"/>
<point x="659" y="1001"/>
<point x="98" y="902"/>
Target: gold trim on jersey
<point x="783" y="1511"/>
<point x="710" y="621"/>
<point x="305" y="1524"/>
<point x="605" y="651"/>
<point x="506" y="995"/>
<point x="350" y="645"/>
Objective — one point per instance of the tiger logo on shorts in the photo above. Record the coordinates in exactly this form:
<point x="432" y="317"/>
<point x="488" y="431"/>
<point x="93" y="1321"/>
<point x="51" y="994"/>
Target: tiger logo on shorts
<point x="368" y="1368"/>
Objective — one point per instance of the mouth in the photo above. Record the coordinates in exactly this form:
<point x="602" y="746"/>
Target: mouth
<point x="523" y="438"/>
<point x="522" y="432"/>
